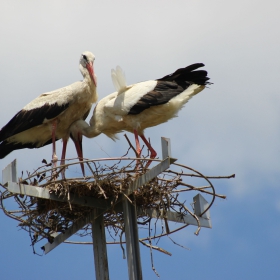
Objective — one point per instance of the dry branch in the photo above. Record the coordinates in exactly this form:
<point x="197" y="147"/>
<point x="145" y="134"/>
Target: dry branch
<point x="109" y="178"/>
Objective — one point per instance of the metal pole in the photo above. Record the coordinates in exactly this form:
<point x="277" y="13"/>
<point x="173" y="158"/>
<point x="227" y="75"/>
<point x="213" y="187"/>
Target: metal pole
<point x="99" y="247"/>
<point x="132" y="241"/>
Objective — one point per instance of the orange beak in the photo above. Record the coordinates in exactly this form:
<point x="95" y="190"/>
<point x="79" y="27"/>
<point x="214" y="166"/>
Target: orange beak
<point x="91" y="73"/>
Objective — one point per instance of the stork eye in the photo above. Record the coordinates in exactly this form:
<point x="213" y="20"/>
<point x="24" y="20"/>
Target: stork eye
<point x="84" y="57"/>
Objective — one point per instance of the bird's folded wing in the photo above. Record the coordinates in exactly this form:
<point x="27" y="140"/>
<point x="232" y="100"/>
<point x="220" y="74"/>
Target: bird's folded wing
<point x="122" y="103"/>
<point x="45" y="107"/>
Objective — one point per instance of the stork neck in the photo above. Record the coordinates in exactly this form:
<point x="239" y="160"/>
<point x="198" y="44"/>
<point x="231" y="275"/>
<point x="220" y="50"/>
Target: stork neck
<point x="90" y="131"/>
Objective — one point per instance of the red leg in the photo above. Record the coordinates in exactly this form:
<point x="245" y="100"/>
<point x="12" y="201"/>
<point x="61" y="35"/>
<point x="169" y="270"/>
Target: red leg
<point x="62" y="162"/>
<point x="54" y="156"/>
<point x="153" y="152"/>
<point x="79" y="148"/>
<point x="138" y="148"/>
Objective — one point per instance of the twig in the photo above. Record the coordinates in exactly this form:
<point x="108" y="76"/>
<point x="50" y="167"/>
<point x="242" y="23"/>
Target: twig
<point x="151" y="251"/>
<point x="199" y="176"/>
<point x="121" y="243"/>
<point x="213" y="193"/>
<point x="130" y="145"/>
<point x="203" y="190"/>
<point x="155" y="248"/>
<point x="178" y="243"/>
<point x="43" y="217"/>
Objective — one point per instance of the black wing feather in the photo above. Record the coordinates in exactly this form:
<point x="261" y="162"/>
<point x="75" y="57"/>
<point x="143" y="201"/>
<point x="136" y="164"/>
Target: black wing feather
<point x="171" y="85"/>
<point x="26" y="119"/>
<point x="7" y="147"/>
<point x="198" y="77"/>
<point x="162" y="93"/>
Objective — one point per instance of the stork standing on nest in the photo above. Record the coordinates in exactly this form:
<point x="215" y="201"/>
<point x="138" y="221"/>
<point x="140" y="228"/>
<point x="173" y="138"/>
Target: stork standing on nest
<point x="136" y="107"/>
<point x="49" y="116"/>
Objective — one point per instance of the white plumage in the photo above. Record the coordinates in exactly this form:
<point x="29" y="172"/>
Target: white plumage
<point x="49" y="116"/>
<point x="136" y="107"/>
<point x="118" y="79"/>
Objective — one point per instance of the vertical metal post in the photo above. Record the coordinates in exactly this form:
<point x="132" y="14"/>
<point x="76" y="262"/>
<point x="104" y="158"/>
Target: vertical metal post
<point x="166" y="147"/>
<point x="132" y="241"/>
<point x="99" y="247"/>
<point x="200" y="204"/>
<point x="131" y="228"/>
<point x="9" y="173"/>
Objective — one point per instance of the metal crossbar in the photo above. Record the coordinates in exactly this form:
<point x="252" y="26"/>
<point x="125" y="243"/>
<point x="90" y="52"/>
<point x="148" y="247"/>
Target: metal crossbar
<point x="100" y="206"/>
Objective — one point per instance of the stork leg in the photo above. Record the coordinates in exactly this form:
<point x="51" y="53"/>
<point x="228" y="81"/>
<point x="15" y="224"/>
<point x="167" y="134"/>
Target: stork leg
<point x="79" y="148"/>
<point x="62" y="162"/>
<point x="153" y="152"/>
<point x="54" y="156"/>
<point x="138" y="148"/>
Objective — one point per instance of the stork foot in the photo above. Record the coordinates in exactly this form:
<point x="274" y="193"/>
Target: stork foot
<point x="54" y="165"/>
<point x="54" y="160"/>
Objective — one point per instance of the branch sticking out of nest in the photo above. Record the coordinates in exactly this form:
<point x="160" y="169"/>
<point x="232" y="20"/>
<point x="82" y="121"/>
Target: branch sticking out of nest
<point x="108" y="179"/>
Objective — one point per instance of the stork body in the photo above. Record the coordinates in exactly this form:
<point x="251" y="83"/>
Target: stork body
<point x="136" y="107"/>
<point x="49" y="116"/>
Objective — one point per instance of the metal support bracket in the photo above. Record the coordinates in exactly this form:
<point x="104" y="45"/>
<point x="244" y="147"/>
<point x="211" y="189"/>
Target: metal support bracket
<point x="95" y="217"/>
<point x="9" y="173"/>
<point x="132" y="240"/>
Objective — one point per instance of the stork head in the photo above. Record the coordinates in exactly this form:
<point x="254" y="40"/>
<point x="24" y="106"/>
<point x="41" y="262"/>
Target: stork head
<point x="86" y="66"/>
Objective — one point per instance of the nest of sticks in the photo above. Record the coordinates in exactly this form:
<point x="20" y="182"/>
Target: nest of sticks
<point x="109" y="180"/>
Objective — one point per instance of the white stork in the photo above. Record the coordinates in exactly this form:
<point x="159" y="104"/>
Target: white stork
<point x="49" y="116"/>
<point x="136" y="107"/>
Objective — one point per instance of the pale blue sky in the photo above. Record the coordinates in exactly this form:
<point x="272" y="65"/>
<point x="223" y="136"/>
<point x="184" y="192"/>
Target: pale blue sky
<point x="231" y="127"/>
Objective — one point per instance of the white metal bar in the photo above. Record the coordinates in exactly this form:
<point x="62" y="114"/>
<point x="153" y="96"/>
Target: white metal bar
<point x="9" y="173"/>
<point x="200" y="204"/>
<point x="69" y="232"/>
<point x="44" y="193"/>
<point x="132" y="241"/>
<point x="148" y="176"/>
<point x="173" y="217"/>
<point x="99" y="247"/>
<point x="166" y="149"/>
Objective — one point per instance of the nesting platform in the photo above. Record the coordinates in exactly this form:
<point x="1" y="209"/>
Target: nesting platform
<point x="54" y="209"/>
